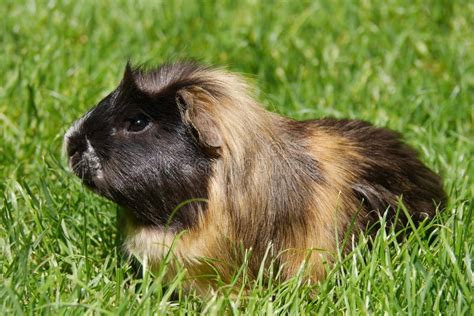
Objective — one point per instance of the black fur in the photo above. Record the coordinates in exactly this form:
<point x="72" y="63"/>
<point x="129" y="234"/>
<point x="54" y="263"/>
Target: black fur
<point x="390" y="172"/>
<point x="150" y="172"/>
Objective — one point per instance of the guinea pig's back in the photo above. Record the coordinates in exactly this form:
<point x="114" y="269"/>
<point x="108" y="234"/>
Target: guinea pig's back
<point x="373" y="170"/>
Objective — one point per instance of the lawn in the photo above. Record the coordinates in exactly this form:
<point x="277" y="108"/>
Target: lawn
<point x="406" y="65"/>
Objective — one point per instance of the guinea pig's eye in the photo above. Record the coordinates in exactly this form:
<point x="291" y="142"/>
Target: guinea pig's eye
<point x="137" y="123"/>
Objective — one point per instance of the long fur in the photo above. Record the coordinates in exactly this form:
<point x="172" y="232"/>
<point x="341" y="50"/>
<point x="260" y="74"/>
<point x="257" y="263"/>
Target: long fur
<point x="266" y="180"/>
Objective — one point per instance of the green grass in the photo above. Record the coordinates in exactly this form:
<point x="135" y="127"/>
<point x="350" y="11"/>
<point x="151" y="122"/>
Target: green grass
<point x="406" y="65"/>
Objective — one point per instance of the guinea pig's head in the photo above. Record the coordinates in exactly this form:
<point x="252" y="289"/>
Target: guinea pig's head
<point x="150" y="145"/>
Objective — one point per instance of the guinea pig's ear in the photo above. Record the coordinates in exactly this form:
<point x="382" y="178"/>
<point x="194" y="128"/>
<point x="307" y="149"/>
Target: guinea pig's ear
<point x="193" y="104"/>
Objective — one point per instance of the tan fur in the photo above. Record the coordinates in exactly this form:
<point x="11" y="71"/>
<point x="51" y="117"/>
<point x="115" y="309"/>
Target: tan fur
<point x="254" y="140"/>
<point x="245" y="127"/>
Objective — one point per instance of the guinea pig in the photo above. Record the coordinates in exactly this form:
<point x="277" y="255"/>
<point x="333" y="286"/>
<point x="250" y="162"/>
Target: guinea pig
<point x="199" y="167"/>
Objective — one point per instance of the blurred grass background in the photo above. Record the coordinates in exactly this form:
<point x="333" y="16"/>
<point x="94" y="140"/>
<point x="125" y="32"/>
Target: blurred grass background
<point x="406" y="65"/>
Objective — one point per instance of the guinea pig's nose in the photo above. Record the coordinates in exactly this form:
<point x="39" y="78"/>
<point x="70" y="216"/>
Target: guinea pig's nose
<point x="76" y="143"/>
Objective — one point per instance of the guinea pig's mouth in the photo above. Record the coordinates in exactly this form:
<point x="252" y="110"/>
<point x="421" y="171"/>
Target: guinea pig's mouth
<point x="87" y="167"/>
<point x="84" y="161"/>
<point x="88" y="173"/>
